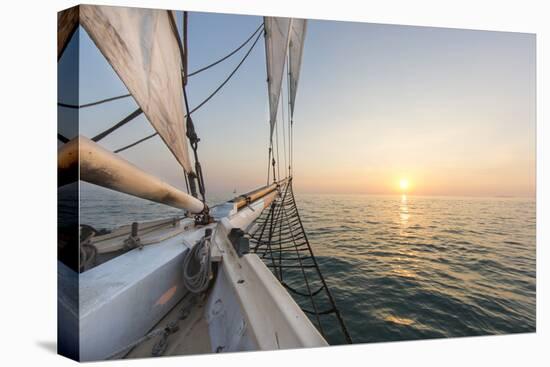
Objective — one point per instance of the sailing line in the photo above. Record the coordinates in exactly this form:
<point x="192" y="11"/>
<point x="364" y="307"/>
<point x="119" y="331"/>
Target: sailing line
<point x="205" y="100"/>
<point x="228" y="55"/>
<point x="228" y="77"/>
<point x="119" y="124"/>
<point x="135" y="143"/>
<point x="94" y="103"/>
<point x="294" y="255"/>
<point x="101" y="101"/>
<point x="283" y="127"/>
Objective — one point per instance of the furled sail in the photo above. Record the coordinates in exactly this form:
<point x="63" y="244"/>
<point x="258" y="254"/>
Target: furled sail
<point x="276" y="45"/>
<point x="143" y="48"/>
<point x="295" y="52"/>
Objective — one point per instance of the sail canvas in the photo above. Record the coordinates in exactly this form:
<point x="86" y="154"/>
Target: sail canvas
<point x="142" y="47"/>
<point x="295" y="54"/>
<point x="277" y="31"/>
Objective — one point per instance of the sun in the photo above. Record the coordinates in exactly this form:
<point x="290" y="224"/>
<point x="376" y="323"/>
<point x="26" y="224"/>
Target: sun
<point x="404" y="184"/>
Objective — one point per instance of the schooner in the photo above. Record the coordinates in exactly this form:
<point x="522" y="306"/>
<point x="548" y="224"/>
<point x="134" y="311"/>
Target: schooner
<point x="240" y="275"/>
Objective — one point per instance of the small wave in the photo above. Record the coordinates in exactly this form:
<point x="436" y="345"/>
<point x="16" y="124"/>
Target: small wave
<point x="498" y="233"/>
<point x="399" y="320"/>
<point x="382" y="253"/>
<point x="404" y="273"/>
<point x="434" y="247"/>
<point x="488" y="262"/>
<point x="453" y="231"/>
<point x="462" y="242"/>
<point x="514" y="243"/>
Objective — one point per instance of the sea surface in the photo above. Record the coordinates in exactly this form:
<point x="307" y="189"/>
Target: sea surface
<point x="403" y="267"/>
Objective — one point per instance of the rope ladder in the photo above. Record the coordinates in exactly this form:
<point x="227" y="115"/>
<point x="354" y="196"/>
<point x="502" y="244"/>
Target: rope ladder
<point x="280" y="240"/>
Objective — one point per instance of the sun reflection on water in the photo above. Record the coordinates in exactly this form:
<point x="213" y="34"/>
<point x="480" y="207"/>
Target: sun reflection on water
<point x="399" y="320"/>
<point x="404" y="213"/>
<point x="404" y="273"/>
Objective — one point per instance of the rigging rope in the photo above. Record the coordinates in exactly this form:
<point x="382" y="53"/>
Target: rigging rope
<point x="281" y="241"/>
<point x="94" y="103"/>
<point x="121" y="123"/>
<point x="184" y="56"/>
<point x="228" y="55"/>
<point x="283" y="127"/>
<point x="206" y="99"/>
<point x="228" y="77"/>
<point x="194" y="141"/>
<point x="136" y="142"/>
<point x="268" y="162"/>
<point x="137" y="112"/>
<point x="277" y="146"/>
<point x="61" y="104"/>
<point x="290" y="122"/>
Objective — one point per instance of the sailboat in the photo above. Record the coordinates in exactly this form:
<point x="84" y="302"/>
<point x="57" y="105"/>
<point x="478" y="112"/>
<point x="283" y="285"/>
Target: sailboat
<point x="237" y="276"/>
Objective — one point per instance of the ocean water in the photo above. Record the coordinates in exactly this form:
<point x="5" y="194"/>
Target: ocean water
<point x="403" y="267"/>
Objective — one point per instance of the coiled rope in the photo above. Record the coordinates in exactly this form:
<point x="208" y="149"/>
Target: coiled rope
<point x="197" y="267"/>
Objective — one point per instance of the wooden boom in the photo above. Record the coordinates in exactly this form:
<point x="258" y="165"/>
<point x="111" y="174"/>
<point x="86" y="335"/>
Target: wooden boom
<point x="104" y="168"/>
<point x="244" y="199"/>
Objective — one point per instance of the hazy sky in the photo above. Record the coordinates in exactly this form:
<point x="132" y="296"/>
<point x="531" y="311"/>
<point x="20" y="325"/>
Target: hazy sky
<point x="453" y="111"/>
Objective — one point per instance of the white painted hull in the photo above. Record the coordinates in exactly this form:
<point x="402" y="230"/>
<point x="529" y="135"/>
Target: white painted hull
<point x="123" y="299"/>
<point x="249" y="309"/>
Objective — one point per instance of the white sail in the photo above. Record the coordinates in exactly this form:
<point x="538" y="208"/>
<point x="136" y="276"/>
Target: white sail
<point x="142" y="47"/>
<point x="276" y="45"/>
<point x="295" y="52"/>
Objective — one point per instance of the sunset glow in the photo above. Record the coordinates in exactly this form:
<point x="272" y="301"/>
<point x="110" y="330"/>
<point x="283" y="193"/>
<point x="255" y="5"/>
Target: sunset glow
<point x="456" y="119"/>
<point x="404" y="184"/>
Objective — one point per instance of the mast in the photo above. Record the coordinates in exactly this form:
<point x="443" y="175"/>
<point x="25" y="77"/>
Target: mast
<point x="279" y="236"/>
